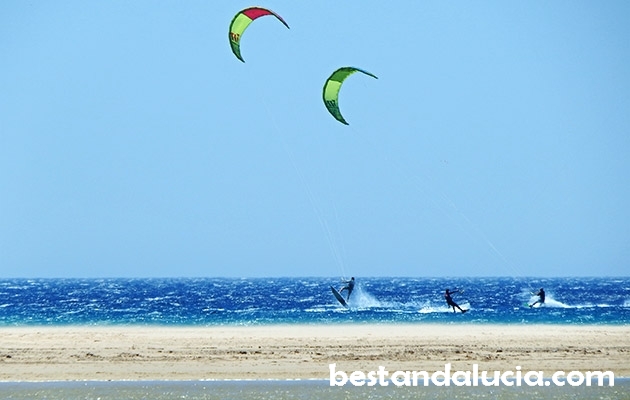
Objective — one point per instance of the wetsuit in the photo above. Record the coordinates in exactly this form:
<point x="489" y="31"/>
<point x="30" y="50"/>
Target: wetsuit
<point x="541" y="297"/>
<point x="450" y="302"/>
<point x="349" y="287"/>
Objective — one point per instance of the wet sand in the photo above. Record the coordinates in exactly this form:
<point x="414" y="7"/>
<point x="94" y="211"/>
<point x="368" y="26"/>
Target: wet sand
<point x="75" y="353"/>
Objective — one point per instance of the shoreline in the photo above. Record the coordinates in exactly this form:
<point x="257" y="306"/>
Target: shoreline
<point x="289" y="352"/>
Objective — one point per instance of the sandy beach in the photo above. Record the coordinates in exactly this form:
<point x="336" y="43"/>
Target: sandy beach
<point x="302" y="351"/>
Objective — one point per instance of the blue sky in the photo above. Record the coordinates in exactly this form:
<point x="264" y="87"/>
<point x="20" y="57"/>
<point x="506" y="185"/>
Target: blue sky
<point x="495" y="141"/>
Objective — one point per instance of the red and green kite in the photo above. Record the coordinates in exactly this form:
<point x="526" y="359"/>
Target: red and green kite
<point x="241" y="21"/>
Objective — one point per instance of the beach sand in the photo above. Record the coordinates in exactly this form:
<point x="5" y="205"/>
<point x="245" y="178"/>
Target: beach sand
<point x="74" y="353"/>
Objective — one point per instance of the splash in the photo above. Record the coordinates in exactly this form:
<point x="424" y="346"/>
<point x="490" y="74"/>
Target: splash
<point x="429" y="308"/>
<point x="361" y="298"/>
<point x="550" y="302"/>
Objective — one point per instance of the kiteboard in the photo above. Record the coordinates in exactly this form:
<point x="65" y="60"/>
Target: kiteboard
<point x="338" y="296"/>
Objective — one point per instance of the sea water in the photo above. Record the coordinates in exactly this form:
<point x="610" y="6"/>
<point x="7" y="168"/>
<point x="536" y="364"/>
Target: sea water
<point x="260" y="301"/>
<point x="303" y="390"/>
<point x="221" y="301"/>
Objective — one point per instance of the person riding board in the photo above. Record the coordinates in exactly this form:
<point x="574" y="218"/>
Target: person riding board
<point x="541" y="298"/>
<point x="450" y="302"/>
<point x="349" y="287"/>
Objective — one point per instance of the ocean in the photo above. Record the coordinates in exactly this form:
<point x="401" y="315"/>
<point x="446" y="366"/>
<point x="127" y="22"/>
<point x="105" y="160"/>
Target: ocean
<point x="291" y="390"/>
<point x="258" y="301"/>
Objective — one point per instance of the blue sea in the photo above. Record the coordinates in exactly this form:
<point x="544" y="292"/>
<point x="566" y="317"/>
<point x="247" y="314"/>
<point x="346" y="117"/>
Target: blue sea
<point x="260" y="301"/>
<point x="257" y="301"/>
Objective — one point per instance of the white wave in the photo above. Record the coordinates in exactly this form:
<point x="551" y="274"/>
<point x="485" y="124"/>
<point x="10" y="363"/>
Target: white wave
<point x="433" y="309"/>
<point x="316" y="310"/>
<point x="309" y="299"/>
<point x="158" y="298"/>
<point x="591" y="305"/>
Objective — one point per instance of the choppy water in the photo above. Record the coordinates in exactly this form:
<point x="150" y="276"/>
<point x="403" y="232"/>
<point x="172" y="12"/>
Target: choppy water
<point x="219" y="301"/>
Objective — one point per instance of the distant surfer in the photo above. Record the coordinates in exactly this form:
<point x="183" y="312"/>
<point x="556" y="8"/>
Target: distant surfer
<point x="541" y="298"/>
<point x="450" y="302"/>
<point x="349" y="287"/>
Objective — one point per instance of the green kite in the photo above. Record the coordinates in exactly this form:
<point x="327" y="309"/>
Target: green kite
<point x="332" y="87"/>
<point x="241" y="21"/>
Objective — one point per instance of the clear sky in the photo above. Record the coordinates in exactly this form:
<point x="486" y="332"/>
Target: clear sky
<point x="495" y="141"/>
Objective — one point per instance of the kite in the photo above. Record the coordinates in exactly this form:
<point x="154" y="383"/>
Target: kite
<point x="332" y="87"/>
<point x="241" y="21"/>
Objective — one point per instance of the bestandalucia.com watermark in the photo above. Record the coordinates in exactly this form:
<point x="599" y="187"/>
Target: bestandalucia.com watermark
<point x="472" y="377"/>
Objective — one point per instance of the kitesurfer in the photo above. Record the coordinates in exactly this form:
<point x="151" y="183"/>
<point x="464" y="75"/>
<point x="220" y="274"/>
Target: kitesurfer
<point x="541" y="297"/>
<point x="349" y="287"/>
<point x="450" y="302"/>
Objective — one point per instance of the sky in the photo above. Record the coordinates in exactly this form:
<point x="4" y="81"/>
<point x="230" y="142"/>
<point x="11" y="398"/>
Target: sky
<point x="494" y="142"/>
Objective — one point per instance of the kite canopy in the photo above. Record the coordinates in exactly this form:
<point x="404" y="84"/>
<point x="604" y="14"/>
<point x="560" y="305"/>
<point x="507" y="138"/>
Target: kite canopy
<point x="332" y="87"/>
<point x="241" y="21"/>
